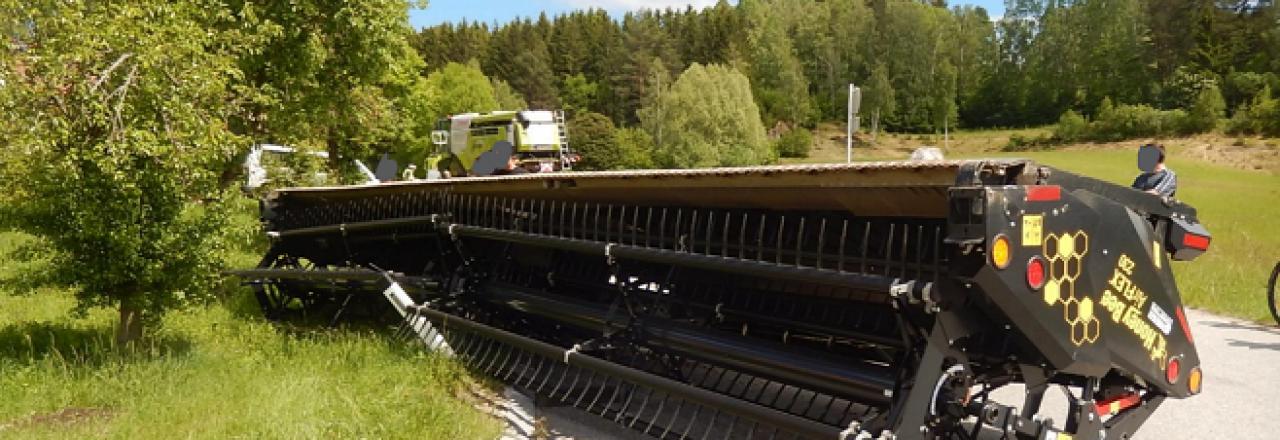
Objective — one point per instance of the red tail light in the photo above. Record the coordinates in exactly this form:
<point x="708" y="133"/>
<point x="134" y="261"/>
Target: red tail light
<point x="1195" y="241"/>
<point x="1035" y="273"/>
<point x="1044" y="193"/>
<point x="1172" y="370"/>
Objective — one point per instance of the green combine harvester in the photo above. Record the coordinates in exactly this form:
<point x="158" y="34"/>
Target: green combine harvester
<point x="482" y="144"/>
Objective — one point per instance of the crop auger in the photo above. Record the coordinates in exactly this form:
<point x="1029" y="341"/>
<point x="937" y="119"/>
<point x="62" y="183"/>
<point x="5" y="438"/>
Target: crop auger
<point x="879" y="300"/>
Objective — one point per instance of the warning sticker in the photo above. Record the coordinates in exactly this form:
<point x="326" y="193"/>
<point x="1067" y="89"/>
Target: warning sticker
<point x="1160" y="318"/>
<point x="1032" y="229"/>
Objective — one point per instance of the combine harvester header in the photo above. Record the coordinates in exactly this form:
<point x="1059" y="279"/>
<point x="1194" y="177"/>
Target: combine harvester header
<point x="869" y="300"/>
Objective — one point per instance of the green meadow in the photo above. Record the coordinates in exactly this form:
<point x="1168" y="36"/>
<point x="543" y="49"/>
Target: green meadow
<point x="217" y="371"/>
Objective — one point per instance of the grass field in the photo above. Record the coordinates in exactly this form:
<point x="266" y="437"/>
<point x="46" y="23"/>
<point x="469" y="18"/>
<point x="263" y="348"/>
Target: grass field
<point x="218" y="371"/>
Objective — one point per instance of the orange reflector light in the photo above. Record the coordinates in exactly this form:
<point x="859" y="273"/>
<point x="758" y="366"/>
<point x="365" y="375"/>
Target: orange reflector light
<point x="1193" y="380"/>
<point x="1000" y="252"/>
<point x="1035" y="273"/>
<point x="1195" y="241"/>
<point x="1172" y="370"/>
<point x="1044" y="193"/>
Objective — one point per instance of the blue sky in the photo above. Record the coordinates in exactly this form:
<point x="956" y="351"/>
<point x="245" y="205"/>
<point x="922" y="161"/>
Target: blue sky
<point x="502" y="11"/>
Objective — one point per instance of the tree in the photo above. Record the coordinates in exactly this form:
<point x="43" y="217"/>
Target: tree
<point x="648" y="51"/>
<point x="518" y="54"/>
<point x="592" y="138"/>
<point x="507" y="97"/>
<point x="878" y="96"/>
<point x="579" y="94"/>
<point x="449" y="43"/>
<point x="635" y="148"/>
<point x="460" y="88"/>
<point x="707" y="118"/>
<point x="114" y="138"/>
<point x="341" y="75"/>
<point x="1204" y="113"/>
<point x="777" y="78"/>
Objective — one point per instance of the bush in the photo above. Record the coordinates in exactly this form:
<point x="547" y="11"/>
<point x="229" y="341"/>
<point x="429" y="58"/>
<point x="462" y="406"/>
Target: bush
<point x="1071" y="127"/>
<point x="635" y="148"/>
<point x="795" y="143"/>
<point x="1127" y="122"/>
<point x="1205" y="112"/>
<point x="1019" y="142"/>
<point x="592" y="136"/>
<point x="1260" y="116"/>
<point x="1117" y="123"/>
<point x="1241" y="87"/>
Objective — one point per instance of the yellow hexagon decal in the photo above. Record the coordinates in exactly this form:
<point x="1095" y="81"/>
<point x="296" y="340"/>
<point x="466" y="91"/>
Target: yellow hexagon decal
<point x="1052" y="292"/>
<point x="1066" y="246"/>
<point x="1086" y="309"/>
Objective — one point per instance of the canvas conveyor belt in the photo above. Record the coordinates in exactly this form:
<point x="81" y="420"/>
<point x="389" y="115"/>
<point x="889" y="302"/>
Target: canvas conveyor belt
<point x="823" y="301"/>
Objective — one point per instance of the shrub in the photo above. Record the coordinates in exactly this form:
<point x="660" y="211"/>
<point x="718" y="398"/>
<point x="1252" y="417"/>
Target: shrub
<point x="1071" y="127"/>
<point x="795" y="143"/>
<point x="1117" y="123"/>
<point x="635" y="148"/>
<point x="1240" y="87"/>
<point x="1260" y="116"/>
<point x="592" y="137"/>
<point x="1019" y="142"/>
<point x="1205" y="112"/>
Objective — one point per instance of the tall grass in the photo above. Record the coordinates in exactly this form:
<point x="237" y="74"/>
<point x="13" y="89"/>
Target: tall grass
<point x="217" y="371"/>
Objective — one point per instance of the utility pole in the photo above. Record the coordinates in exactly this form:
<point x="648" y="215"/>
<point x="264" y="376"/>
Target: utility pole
<point x="851" y="126"/>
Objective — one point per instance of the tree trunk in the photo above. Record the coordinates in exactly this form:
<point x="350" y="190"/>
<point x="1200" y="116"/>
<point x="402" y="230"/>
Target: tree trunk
<point x="332" y="147"/>
<point x="875" y="127"/>
<point x="129" y="330"/>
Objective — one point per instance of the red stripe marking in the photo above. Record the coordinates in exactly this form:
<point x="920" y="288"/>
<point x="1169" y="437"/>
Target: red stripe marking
<point x="1125" y="402"/>
<point x="1182" y="318"/>
<point x="1044" y="193"/>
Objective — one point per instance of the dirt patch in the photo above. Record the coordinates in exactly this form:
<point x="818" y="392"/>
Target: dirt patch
<point x="62" y="417"/>
<point x="1245" y="153"/>
<point x="1248" y="157"/>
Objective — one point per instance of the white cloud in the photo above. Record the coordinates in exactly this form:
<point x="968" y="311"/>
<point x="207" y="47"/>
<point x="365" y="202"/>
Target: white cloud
<point x="630" y="5"/>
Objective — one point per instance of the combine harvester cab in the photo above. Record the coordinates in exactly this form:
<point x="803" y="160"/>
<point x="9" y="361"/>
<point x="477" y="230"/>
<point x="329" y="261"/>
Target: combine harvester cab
<point x="870" y="300"/>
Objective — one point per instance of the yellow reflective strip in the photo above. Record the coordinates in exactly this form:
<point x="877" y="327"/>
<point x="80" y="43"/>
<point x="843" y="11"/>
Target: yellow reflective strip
<point x="1156" y="255"/>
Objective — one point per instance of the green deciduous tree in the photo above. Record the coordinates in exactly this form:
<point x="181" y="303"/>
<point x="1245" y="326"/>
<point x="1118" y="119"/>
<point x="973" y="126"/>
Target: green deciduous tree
<point x="707" y="118"/>
<point x="592" y="137"/>
<point x="113" y="133"/>
<point x="507" y="97"/>
<point x="337" y="74"/>
<point x="578" y="94"/>
<point x="878" y="97"/>
<point x="635" y="148"/>
<point x="460" y="88"/>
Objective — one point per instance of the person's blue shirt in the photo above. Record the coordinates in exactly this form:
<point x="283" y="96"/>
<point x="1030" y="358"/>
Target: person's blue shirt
<point x="1162" y="182"/>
